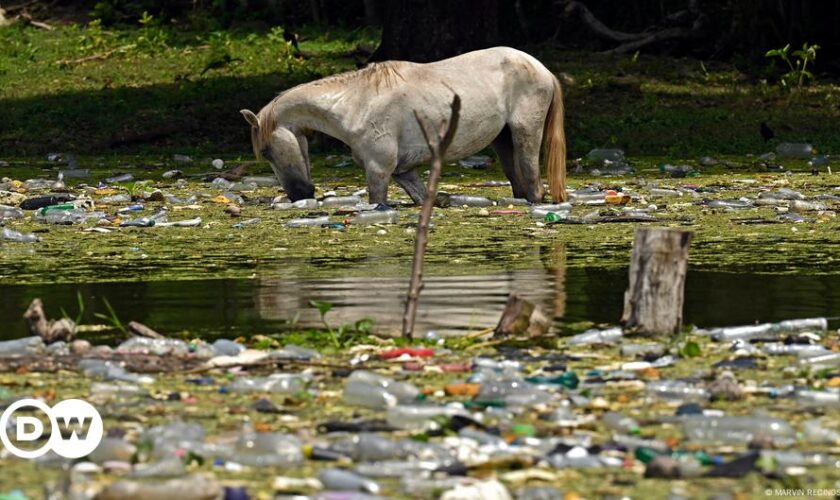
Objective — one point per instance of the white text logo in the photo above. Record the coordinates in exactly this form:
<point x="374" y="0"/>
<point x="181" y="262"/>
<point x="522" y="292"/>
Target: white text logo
<point x="75" y="428"/>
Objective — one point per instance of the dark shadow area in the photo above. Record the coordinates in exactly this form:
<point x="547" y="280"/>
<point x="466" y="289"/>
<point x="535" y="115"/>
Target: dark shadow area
<point x="187" y="116"/>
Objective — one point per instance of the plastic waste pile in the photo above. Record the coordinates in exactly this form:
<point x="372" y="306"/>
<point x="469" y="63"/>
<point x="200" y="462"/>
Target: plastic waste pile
<point x="419" y="420"/>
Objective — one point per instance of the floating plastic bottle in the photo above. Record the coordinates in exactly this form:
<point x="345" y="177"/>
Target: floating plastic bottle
<point x="595" y="336"/>
<point x="376" y="217"/>
<point x="778" y="349"/>
<point x="115" y="199"/>
<point x="602" y="155"/>
<point x="340" y="201"/>
<point x="22" y="347"/>
<point x="676" y="390"/>
<point x="225" y="347"/>
<point x="737" y="429"/>
<point x="267" y="449"/>
<point x="731" y="204"/>
<point x="664" y="193"/>
<point x="181" y="223"/>
<point x="368" y="389"/>
<point x="560" y="210"/>
<point x="193" y="487"/>
<point x="113" y="449"/>
<point x="221" y="183"/>
<point x="459" y="200"/>
<point x="158" y="347"/>
<point x="620" y="423"/>
<point x="309" y="222"/>
<point x="11" y="235"/>
<point x="794" y="150"/>
<point x="768" y="329"/>
<point x="514" y="202"/>
<point x="110" y="370"/>
<point x="7" y="212"/>
<point x="342" y="480"/>
<point x="821" y="399"/>
<point x="511" y="392"/>
<point x="782" y="194"/>
<point x="278" y="383"/>
<point x="636" y="349"/>
<point x="419" y="417"/>
<point x="815" y="433"/>
<point x="261" y="180"/>
<point x="807" y="206"/>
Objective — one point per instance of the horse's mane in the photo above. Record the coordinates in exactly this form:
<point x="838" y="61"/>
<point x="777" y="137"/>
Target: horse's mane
<point x="385" y="74"/>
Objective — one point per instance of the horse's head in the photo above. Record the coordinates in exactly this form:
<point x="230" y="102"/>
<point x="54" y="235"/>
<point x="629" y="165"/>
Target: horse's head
<point x="283" y="150"/>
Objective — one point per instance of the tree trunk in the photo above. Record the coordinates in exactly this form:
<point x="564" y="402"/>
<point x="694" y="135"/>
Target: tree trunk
<point x="653" y="302"/>
<point x="372" y="13"/>
<point x="423" y="31"/>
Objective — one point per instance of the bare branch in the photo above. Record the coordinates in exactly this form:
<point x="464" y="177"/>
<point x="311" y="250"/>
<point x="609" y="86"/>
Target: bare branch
<point x="437" y="144"/>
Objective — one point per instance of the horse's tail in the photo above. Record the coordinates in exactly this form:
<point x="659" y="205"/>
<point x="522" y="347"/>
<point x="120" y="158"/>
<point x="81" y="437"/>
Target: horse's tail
<point x="554" y="146"/>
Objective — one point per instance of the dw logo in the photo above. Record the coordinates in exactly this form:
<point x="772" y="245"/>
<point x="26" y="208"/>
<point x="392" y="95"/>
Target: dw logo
<point x="75" y="428"/>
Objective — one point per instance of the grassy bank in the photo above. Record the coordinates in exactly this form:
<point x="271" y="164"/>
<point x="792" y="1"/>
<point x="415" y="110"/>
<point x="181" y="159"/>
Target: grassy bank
<point x="88" y="89"/>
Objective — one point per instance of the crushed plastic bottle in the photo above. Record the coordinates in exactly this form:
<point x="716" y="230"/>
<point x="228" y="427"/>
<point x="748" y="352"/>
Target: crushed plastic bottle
<point x="267" y="449"/>
<point x="342" y="480"/>
<point x="376" y="217"/>
<point x="676" y="390"/>
<point x="221" y="183"/>
<point x="368" y="389"/>
<point x="814" y="432"/>
<point x="12" y="235"/>
<point x="7" y="212"/>
<point x="340" y="201"/>
<point x="620" y="423"/>
<point x="22" y="347"/>
<point x="821" y="399"/>
<point x="309" y="222"/>
<point x="277" y="383"/>
<point x="419" y="417"/>
<point x="604" y="155"/>
<point x="595" y="336"/>
<point x="768" y="329"/>
<point x="794" y="150"/>
<point x="110" y="370"/>
<point x="737" y="429"/>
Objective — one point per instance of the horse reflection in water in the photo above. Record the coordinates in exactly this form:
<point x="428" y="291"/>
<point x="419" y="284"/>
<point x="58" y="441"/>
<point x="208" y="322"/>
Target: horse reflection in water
<point x="449" y="305"/>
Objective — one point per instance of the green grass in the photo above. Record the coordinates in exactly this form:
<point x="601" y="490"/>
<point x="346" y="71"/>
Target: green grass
<point x="182" y="91"/>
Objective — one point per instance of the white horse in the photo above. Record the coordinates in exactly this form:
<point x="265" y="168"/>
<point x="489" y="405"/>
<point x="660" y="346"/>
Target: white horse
<point x="508" y="99"/>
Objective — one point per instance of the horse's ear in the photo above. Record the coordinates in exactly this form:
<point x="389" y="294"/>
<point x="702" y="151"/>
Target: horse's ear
<point x="250" y="117"/>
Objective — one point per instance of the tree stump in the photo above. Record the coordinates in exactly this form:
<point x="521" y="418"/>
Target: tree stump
<point x="653" y="302"/>
<point x="522" y="318"/>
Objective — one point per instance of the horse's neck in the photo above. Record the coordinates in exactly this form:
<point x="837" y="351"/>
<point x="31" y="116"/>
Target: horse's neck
<point x="320" y="109"/>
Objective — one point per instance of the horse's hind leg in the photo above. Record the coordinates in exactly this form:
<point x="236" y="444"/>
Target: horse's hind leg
<point x="411" y="183"/>
<point x="527" y="141"/>
<point x="503" y="146"/>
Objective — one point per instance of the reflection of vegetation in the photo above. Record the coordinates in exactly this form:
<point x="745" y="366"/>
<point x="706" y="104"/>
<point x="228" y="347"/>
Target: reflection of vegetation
<point x="81" y="303"/>
<point x="111" y="317"/>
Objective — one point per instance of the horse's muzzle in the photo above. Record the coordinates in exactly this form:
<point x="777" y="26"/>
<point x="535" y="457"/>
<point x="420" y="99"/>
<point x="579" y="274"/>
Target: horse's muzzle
<point x="299" y="190"/>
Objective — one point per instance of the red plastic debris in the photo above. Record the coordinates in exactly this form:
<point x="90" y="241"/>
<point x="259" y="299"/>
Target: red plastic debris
<point x="415" y="352"/>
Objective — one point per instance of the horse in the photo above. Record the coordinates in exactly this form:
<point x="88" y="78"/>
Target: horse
<point x="508" y="100"/>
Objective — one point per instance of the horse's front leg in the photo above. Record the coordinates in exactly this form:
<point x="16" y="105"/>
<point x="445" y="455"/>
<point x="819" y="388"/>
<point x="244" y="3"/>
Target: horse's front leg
<point x="378" y="176"/>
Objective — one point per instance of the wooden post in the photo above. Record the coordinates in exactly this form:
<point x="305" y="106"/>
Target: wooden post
<point x="438" y="141"/>
<point x="653" y="303"/>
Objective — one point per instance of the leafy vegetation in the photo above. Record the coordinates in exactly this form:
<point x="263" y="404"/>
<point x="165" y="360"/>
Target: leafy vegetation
<point x="798" y="66"/>
<point x="150" y="89"/>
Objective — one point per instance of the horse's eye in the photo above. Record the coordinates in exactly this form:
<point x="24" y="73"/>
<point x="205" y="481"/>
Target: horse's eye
<point x="266" y="152"/>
